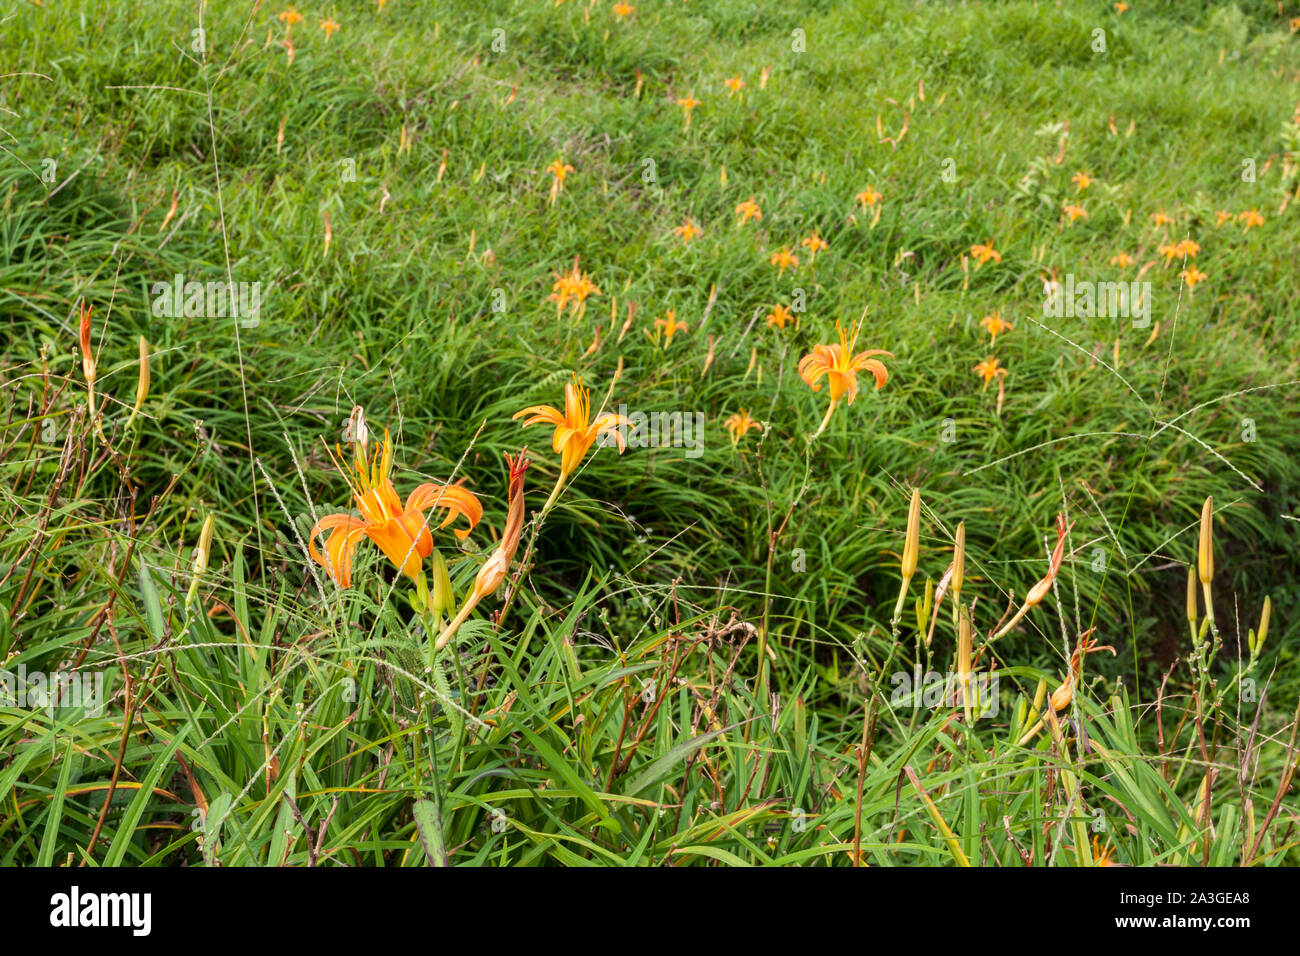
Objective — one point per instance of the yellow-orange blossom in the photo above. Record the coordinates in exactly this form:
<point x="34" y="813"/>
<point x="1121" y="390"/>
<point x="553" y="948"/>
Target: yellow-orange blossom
<point x="840" y="366"/>
<point x="575" y="432"/>
<point x="399" y="530"/>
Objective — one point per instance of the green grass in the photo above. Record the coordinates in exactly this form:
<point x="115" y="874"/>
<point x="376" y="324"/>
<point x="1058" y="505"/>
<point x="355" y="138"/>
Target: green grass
<point x="618" y="714"/>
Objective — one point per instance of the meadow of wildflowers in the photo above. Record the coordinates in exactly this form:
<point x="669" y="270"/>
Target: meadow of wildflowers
<point x="650" y="434"/>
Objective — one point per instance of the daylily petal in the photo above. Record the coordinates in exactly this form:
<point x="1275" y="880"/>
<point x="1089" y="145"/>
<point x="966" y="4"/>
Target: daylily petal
<point x="399" y="545"/>
<point x="843" y="385"/>
<point x="573" y="451"/>
<point x="574" y="406"/>
<point x="812" y="367"/>
<point x="457" y="501"/>
<point x="541" y="414"/>
<point x="878" y="370"/>
<point x="386" y="493"/>
<point x="561" y="438"/>
<point x="610" y="422"/>
<point x="347" y="532"/>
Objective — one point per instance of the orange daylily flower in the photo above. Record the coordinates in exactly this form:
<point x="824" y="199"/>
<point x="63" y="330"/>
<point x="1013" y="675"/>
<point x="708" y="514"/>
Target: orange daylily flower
<point x="985" y="253"/>
<point x="840" y="366"/>
<point x="1074" y="212"/>
<point x="290" y="17"/>
<point x="1100" y="856"/>
<point x="734" y="84"/>
<point x="1122" y="259"/>
<point x="995" y="325"/>
<point x="572" y="289"/>
<point x="739" y="424"/>
<point x="1221" y="217"/>
<point x="1081" y="181"/>
<point x="399" y="529"/>
<point x="1192" y="276"/>
<point x="558" y="170"/>
<point x="779" y="316"/>
<point x="1184" y="248"/>
<point x="1251" y="218"/>
<point x="688" y="103"/>
<point x="868" y="197"/>
<point x="687" y="231"/>
<point x="814" y="244"/>
<point x="670" y="326"/>
<point x="1160" y="219"/>
<point x="575" y="432"/>
<point x="622" y="10"/>
<point x="784" y="259"/>
<point x="329" y="26"/>
<point x="748" y="210"/>
<point x="989" y="369"/>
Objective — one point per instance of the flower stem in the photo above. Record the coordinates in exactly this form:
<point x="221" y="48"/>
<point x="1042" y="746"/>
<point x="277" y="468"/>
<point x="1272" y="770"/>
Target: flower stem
<point x="555" y="492"/>
<point x="450" y="630"/>
<point x="898" y="608"/>
<point x="830" y="410"/>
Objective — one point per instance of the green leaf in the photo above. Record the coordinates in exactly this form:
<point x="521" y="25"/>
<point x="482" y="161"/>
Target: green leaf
<point x="126" y="829"/>
<point x="153" y="612"/>
<point x="428" y="823"/>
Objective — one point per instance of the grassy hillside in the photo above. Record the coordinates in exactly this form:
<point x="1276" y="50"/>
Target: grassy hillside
<point x="694" y="657"/>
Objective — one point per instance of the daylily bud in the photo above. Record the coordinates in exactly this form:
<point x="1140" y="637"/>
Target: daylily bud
<point x="87" y="358"/>
<point x="1205" y="558"/>
<point x="959" y="562"/>
<point x="87" y="355"/>
<point x="934" y="605"/>
<point x="1040" y="694"/>
<point x="493" y="572"/>
<point x="1205" y="551"/>
<point x="924" y="605"/>
<point x="963" y="647"/>
<point x="912" y="543"/>
<point x="358" y="432"/>
<point x="442" y="599"/>
<point x="1191" y="595"/>
<point x="1063" y="695"/>
<point x="964" y="661"/>
<point x="1257" y="639"/>
<point x="1039" y="590"/>
<point x="142" y="383"/>
<point x="202" y="549"/>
